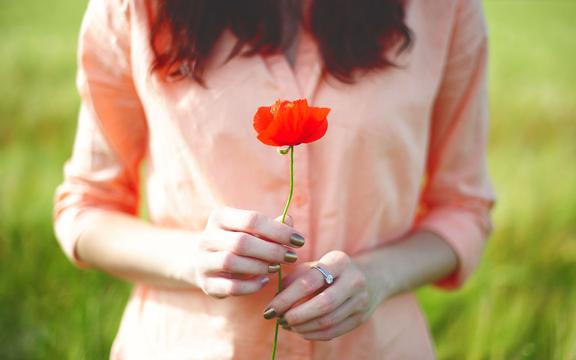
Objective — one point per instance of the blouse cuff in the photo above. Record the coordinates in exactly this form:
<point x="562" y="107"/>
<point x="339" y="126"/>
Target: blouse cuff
<point x="69" y="226"/>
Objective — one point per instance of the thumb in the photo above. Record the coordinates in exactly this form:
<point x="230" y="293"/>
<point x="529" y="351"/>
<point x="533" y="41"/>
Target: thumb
<point x="288" y="221"/>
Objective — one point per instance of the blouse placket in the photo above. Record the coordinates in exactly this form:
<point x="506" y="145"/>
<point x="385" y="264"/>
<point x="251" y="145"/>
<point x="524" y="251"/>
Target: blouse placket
<point x="300" y="82"/>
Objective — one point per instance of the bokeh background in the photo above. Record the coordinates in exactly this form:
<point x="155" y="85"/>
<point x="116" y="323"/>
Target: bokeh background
<point x="521" y="303"/>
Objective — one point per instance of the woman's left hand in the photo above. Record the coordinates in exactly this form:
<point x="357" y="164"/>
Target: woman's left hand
<point x="318" y="311"/>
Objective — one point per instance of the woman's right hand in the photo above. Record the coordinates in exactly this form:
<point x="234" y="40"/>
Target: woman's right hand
<point x="238" y="249"/>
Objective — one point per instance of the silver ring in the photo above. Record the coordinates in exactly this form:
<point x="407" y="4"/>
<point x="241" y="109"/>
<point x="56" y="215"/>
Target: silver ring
<point x="328" y="278"/>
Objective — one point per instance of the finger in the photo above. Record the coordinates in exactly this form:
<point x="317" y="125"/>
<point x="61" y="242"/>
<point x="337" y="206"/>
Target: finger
<point x="220" y="287"/>
<point x="307" y="284"/>
<point x="288" y="220"/>
<point x="222" y="261"/>
<point x="244" y="244"/>
<point x="323" y="303"/>
<point x="341" y="328"/>
<point x="298" y="271"/>
<point x="257" y="224"/>
<point x="349" y="307"/>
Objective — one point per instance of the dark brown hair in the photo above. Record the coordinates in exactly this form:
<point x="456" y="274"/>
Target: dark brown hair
<point x="351" y="34"/>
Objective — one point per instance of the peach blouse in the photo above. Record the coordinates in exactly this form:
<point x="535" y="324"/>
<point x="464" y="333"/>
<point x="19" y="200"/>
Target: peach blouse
<point x="405" y="149"/>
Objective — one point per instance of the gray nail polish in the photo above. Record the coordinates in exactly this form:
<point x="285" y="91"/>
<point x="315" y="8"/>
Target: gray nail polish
<point x="290" y="256"/>
<point x="297" y="240"/>
<point x="274" y="268"/>
<point x="269" y="313"/>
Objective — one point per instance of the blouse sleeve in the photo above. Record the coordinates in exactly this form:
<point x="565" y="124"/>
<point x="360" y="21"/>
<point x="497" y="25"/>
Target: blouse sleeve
<point x="111" y="137"/>
<point x="457" y="196"/>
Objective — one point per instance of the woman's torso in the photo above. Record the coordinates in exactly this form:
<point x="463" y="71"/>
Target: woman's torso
<point x="355" y="189"/>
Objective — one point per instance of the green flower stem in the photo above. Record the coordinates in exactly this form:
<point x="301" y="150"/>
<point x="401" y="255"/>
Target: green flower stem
<point x="291" y="149"/>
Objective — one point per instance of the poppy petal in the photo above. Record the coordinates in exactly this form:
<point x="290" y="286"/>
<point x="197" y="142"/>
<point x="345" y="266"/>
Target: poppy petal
<point x="289" y="123"/>
<point x="317" y="125"/>
<point x="266" y="140"/>
<point x="262" y="118"/>
<point x="315" y="132"/>
<point x="272" y="135"/>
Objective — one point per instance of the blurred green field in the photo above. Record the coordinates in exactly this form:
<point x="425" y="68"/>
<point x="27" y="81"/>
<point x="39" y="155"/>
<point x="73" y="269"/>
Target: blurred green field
<point x="521" y="304"/>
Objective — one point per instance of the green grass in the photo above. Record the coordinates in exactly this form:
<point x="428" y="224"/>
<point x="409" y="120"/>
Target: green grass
<point x="520" y="304"/>
<point x="48" y="309"/>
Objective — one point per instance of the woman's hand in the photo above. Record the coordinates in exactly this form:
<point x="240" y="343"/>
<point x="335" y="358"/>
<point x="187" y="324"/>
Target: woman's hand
<point x="318" y="311"/>
<point x="236" y="251"/>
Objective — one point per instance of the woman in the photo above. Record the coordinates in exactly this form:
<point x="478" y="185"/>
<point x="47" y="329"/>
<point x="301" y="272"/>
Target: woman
<point x="395" y="196"/>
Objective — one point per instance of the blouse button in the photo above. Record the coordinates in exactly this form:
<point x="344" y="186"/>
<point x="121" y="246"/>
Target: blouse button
<point x="300" y="200"/>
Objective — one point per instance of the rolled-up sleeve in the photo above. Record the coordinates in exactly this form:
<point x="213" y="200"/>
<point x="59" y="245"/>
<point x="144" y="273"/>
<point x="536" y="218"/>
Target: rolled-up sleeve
<point x="457" y="196"/>
<point x="111" y="138"/>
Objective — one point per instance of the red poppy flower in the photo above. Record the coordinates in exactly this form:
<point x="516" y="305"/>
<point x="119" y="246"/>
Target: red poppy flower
<point x="289" y="123"/>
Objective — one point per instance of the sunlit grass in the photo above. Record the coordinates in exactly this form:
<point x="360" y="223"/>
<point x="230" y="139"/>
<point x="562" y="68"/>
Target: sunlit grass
<point x="521" y="303"/>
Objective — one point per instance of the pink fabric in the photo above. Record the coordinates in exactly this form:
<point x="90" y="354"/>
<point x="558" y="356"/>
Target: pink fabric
<point x="405" y="149"/>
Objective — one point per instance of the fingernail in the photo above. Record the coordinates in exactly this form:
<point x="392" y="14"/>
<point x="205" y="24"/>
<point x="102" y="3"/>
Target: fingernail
<point x="264" y="280"/>
<point x="269" y="313"/>
<point x="274" y="268"/>
<point x="282" y="321"/>
<point x="290" y="256"/>
<point x="296" y="240"/>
